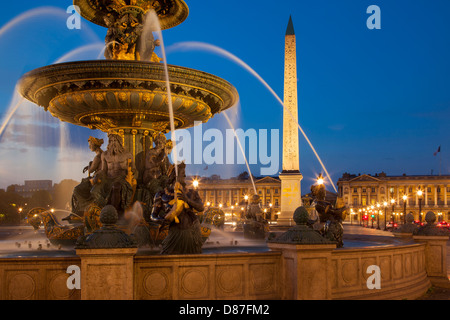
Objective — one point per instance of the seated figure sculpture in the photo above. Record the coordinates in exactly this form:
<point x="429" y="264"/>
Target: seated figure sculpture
<point x="113" y="183"/>
<point x="255" y="226"/>
<point x="184" y="236"/>
<point x="156" y="161"/>
<point x="332" y="217"/>
<point x="82" y="197"/>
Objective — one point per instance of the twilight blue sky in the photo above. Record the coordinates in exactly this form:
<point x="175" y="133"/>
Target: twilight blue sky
<point x="369" y="100"/>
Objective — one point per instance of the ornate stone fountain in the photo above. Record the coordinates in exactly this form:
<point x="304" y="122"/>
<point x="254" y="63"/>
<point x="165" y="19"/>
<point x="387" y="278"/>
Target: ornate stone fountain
<point x="127" y="96"/>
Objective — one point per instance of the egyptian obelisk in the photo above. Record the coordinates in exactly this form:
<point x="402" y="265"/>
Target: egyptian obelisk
<point x="290" y="176"/>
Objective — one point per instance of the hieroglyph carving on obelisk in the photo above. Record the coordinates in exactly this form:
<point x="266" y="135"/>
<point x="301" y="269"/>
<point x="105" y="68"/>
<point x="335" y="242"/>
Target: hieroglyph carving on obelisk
<point x="290" y="114"/>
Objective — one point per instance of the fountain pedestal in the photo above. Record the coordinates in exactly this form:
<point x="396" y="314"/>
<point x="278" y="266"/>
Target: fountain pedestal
<point x="306" y="259"/>
<point x="435" y="240"/>
<point x="291" y="196"/>
<point x="107" y="274"/>
<point x="435" y="259"/>
<point x="107" y="271"/>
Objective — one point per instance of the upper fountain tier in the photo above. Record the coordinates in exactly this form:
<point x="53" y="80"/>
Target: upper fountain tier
<point x="128" y="91"/>
<point x="170" y="12"/>
<point x="131" y="24"/>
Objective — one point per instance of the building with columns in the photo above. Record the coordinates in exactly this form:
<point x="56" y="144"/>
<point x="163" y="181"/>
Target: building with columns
<point x="232" y="192"/>
<point x="360" y="191"/>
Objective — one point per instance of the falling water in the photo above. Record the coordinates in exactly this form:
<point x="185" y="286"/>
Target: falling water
<point x="193" y="45"/>
<point x="64" y="132"/>
<point x="151" y="23"/>
<point x="97" y="46"/>
<point x="40" y="12"/>
<point x="37" y="12"/>
<point x="241" y="148"/>
<point x="12" y="110"/>
<point x="24" y="19"/>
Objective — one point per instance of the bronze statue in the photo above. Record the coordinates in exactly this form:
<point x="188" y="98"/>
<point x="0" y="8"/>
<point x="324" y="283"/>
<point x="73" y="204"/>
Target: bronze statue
<point x="255" y="225"/>
<point x="185" y="234"/>
<point x="155" y="160"/>
<point x="332" y="217"/>
<point x="82" y="196"/>
<point x="117" y="164"/>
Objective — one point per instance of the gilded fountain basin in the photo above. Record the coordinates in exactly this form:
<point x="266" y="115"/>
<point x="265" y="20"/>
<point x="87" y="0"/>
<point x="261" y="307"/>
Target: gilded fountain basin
<point x="113" y="94"/>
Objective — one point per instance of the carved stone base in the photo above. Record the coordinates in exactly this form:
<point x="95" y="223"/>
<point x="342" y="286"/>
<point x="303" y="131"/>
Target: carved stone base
<point x="291" y="197"/>
<point x="107" y="274"/>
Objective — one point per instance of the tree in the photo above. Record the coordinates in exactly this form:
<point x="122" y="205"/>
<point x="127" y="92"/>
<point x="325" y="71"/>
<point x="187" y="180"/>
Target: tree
<point x="41" y="198"/>
<point x="244" y="176"/>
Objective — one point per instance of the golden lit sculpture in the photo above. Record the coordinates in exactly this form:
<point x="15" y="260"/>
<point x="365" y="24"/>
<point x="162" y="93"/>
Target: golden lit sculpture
<point x="127" y="95"/>
<point x="178" y="204"/>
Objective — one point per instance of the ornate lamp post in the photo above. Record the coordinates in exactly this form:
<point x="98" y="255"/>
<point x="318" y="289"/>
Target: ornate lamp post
<point x="385" y="204"/>
<point x="371" y="214"/>
<point x="378" y="216"/>
<point x="419" y="194"/>
<point x="405" y="197"/>
<point x="270" y="210"/>
<point x="393" y="208"/>
<point x="246" y="203"/>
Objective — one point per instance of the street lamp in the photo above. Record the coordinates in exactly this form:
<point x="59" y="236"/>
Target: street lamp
<point x="378" y="216"/>
<point x="405" y="197"/>
<point x="195" y="184"/>
<point x="419" y="194"/>
<point x="320" y="180"/>
<point x="371" y="214"/>
<point x="385" y="204"/>
<point x="393" y="207"/>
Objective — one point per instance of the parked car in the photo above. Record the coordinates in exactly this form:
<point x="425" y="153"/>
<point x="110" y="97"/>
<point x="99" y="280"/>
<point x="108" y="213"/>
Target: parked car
<point x="443" y="224"/>
<point x="418" y="223"/>
<point x="391" y="226"/>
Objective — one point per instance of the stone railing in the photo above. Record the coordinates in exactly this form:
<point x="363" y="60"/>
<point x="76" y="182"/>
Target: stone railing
<point x="297" y="272"/>
<point x="301" y="264"/>
<point x="402" y="270"/>
<point x="37" y="278"/>
<point x="208" y="276"/>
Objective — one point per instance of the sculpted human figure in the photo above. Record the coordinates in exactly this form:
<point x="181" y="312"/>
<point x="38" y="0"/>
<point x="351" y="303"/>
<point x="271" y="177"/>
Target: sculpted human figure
<point x="116" y="163"/>
<point x="154" y="159"/>
<point x="82" y="196"/>
<point x="184" y="235"/>
<point x="332" y="217"/>
<point x="255" y="226"/>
